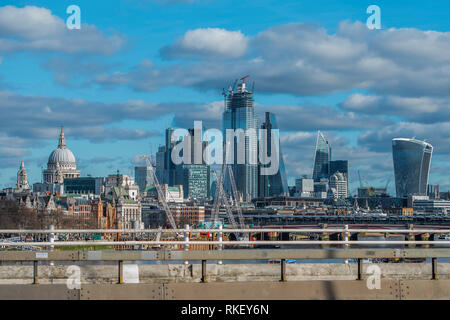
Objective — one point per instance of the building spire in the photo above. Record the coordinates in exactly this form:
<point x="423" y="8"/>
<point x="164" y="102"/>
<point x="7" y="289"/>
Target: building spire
<point x="62" y="139"/>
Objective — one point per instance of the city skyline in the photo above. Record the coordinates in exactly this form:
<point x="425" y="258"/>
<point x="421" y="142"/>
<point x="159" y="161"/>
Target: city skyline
<point x="110" y="118"/>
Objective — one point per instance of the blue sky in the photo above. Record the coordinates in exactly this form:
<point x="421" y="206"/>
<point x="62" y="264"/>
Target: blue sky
<point x="172" y="59"/>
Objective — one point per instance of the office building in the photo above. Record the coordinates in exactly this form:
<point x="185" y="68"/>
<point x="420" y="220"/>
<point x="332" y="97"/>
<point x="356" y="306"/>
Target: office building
<point x="143" y="177"/>
<point x="84" y="185"/>
<point x="124" y="181"/>
<point x="412" y="160"/>
<point x="194" y="175"/>
<point x="339" y="166"/>
<point x="338" y="186"/>
<point x="322" y="157"/>
<point x="304" y="187"/>
<point x="276" y="184"/>
<point x="165" y="168"/>
<point x="239" y="114"/>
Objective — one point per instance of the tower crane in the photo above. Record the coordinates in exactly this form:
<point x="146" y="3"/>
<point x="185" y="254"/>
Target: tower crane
<point x="243" y="78"/>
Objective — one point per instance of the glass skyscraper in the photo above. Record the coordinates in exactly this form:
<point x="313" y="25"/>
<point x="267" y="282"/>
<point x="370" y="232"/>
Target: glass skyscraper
<point x="412" y="159"/>
<point x="239" y="114"/>
<point x="195" y="180"/>
<point x="143" y="177"/>
<point x="322" y="157"/>
<point x="272" y="185"/>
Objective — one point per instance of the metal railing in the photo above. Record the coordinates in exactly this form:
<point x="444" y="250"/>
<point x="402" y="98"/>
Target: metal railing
<point x="186" y="240"/>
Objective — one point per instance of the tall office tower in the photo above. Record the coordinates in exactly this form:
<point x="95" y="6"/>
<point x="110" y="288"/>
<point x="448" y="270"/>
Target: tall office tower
<point x="239" y="114"/>
<point x="169" y="165"/>
<point x="322" y="157"/>
<point x="160" y="169"/>
<point x="339" y="166"/>
<point x="143" y="177"/>
<point x="195" y="175"/>
<point x="412" y="159"/>
<point x="276" y="184"/>
<point x="165" y="168"/>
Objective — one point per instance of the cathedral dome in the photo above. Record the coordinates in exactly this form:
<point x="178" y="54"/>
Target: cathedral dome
<point x="62" y="156"/>
<point x="61" y="164"/>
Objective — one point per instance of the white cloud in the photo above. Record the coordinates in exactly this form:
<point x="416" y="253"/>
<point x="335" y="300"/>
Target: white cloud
<point x="303" y="59"/>
<point x="416" y="109"/>
<point x="206" y="42"/>
<point x="36" y="29"/>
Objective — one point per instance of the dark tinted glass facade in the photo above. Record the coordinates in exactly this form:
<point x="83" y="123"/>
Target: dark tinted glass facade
<point x="322" y="158"/>
<point x="273" y="185"/>
<point x="412" y="159"/>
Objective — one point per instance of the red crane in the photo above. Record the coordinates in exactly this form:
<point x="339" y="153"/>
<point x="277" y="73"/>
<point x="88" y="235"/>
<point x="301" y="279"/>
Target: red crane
<point x="243" y="78"/>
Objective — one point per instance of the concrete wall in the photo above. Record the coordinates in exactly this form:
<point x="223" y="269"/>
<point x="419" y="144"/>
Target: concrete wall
<point x="180" y="273"/>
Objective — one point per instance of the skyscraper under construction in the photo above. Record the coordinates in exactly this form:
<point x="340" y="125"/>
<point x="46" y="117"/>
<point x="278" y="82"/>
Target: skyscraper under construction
<point x="239" y="114"/>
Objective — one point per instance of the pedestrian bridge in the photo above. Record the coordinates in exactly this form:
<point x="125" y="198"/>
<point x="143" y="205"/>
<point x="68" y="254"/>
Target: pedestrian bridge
<point x="342" y="271"/>
<point x="92" y="275"/>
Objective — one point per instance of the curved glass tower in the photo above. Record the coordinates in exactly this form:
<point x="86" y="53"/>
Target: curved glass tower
<point x="412" y="159"/>
<point x="322" y="156"/>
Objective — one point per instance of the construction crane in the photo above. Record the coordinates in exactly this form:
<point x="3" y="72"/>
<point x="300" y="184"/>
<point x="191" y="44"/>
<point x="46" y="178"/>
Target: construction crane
<point x="218" y="196"/>
<point x="360" y="181"/>
<point x="243" y="78"/>
<point x="236" y="197"/>
<point x="370" y="191"/>
<point x="161" y="195"/>
<point x="225" y="201"/>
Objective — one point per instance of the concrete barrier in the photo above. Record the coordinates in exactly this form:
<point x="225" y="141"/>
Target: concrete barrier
<point x="180" y="273"/>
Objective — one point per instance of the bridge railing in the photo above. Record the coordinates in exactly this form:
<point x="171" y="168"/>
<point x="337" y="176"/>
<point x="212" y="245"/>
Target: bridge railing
<point x="184" y="233"/>
<point x="220" y="244"/>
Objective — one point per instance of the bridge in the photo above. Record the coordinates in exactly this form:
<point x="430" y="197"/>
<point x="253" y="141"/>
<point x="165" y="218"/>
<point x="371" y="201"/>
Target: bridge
<point x="167" y="274"/>
<point x="289" y="219"/>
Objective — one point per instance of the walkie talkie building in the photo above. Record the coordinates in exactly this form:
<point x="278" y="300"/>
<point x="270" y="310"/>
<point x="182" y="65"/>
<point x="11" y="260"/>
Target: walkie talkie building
<point x="412" y="159"/>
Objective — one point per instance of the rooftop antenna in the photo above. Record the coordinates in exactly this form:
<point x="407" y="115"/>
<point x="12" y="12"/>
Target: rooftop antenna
<point x="253" y="86"/>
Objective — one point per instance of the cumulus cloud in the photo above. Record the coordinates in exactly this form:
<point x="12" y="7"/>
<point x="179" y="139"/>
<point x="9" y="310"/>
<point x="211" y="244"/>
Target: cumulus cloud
<point x="416" y="109"/>
<point x="438" y="134"/>
<point x="304" y="59"/>
<point x="207" y="43"/>
<point x="36" y="29"/>
<point x="319" y="117"/>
